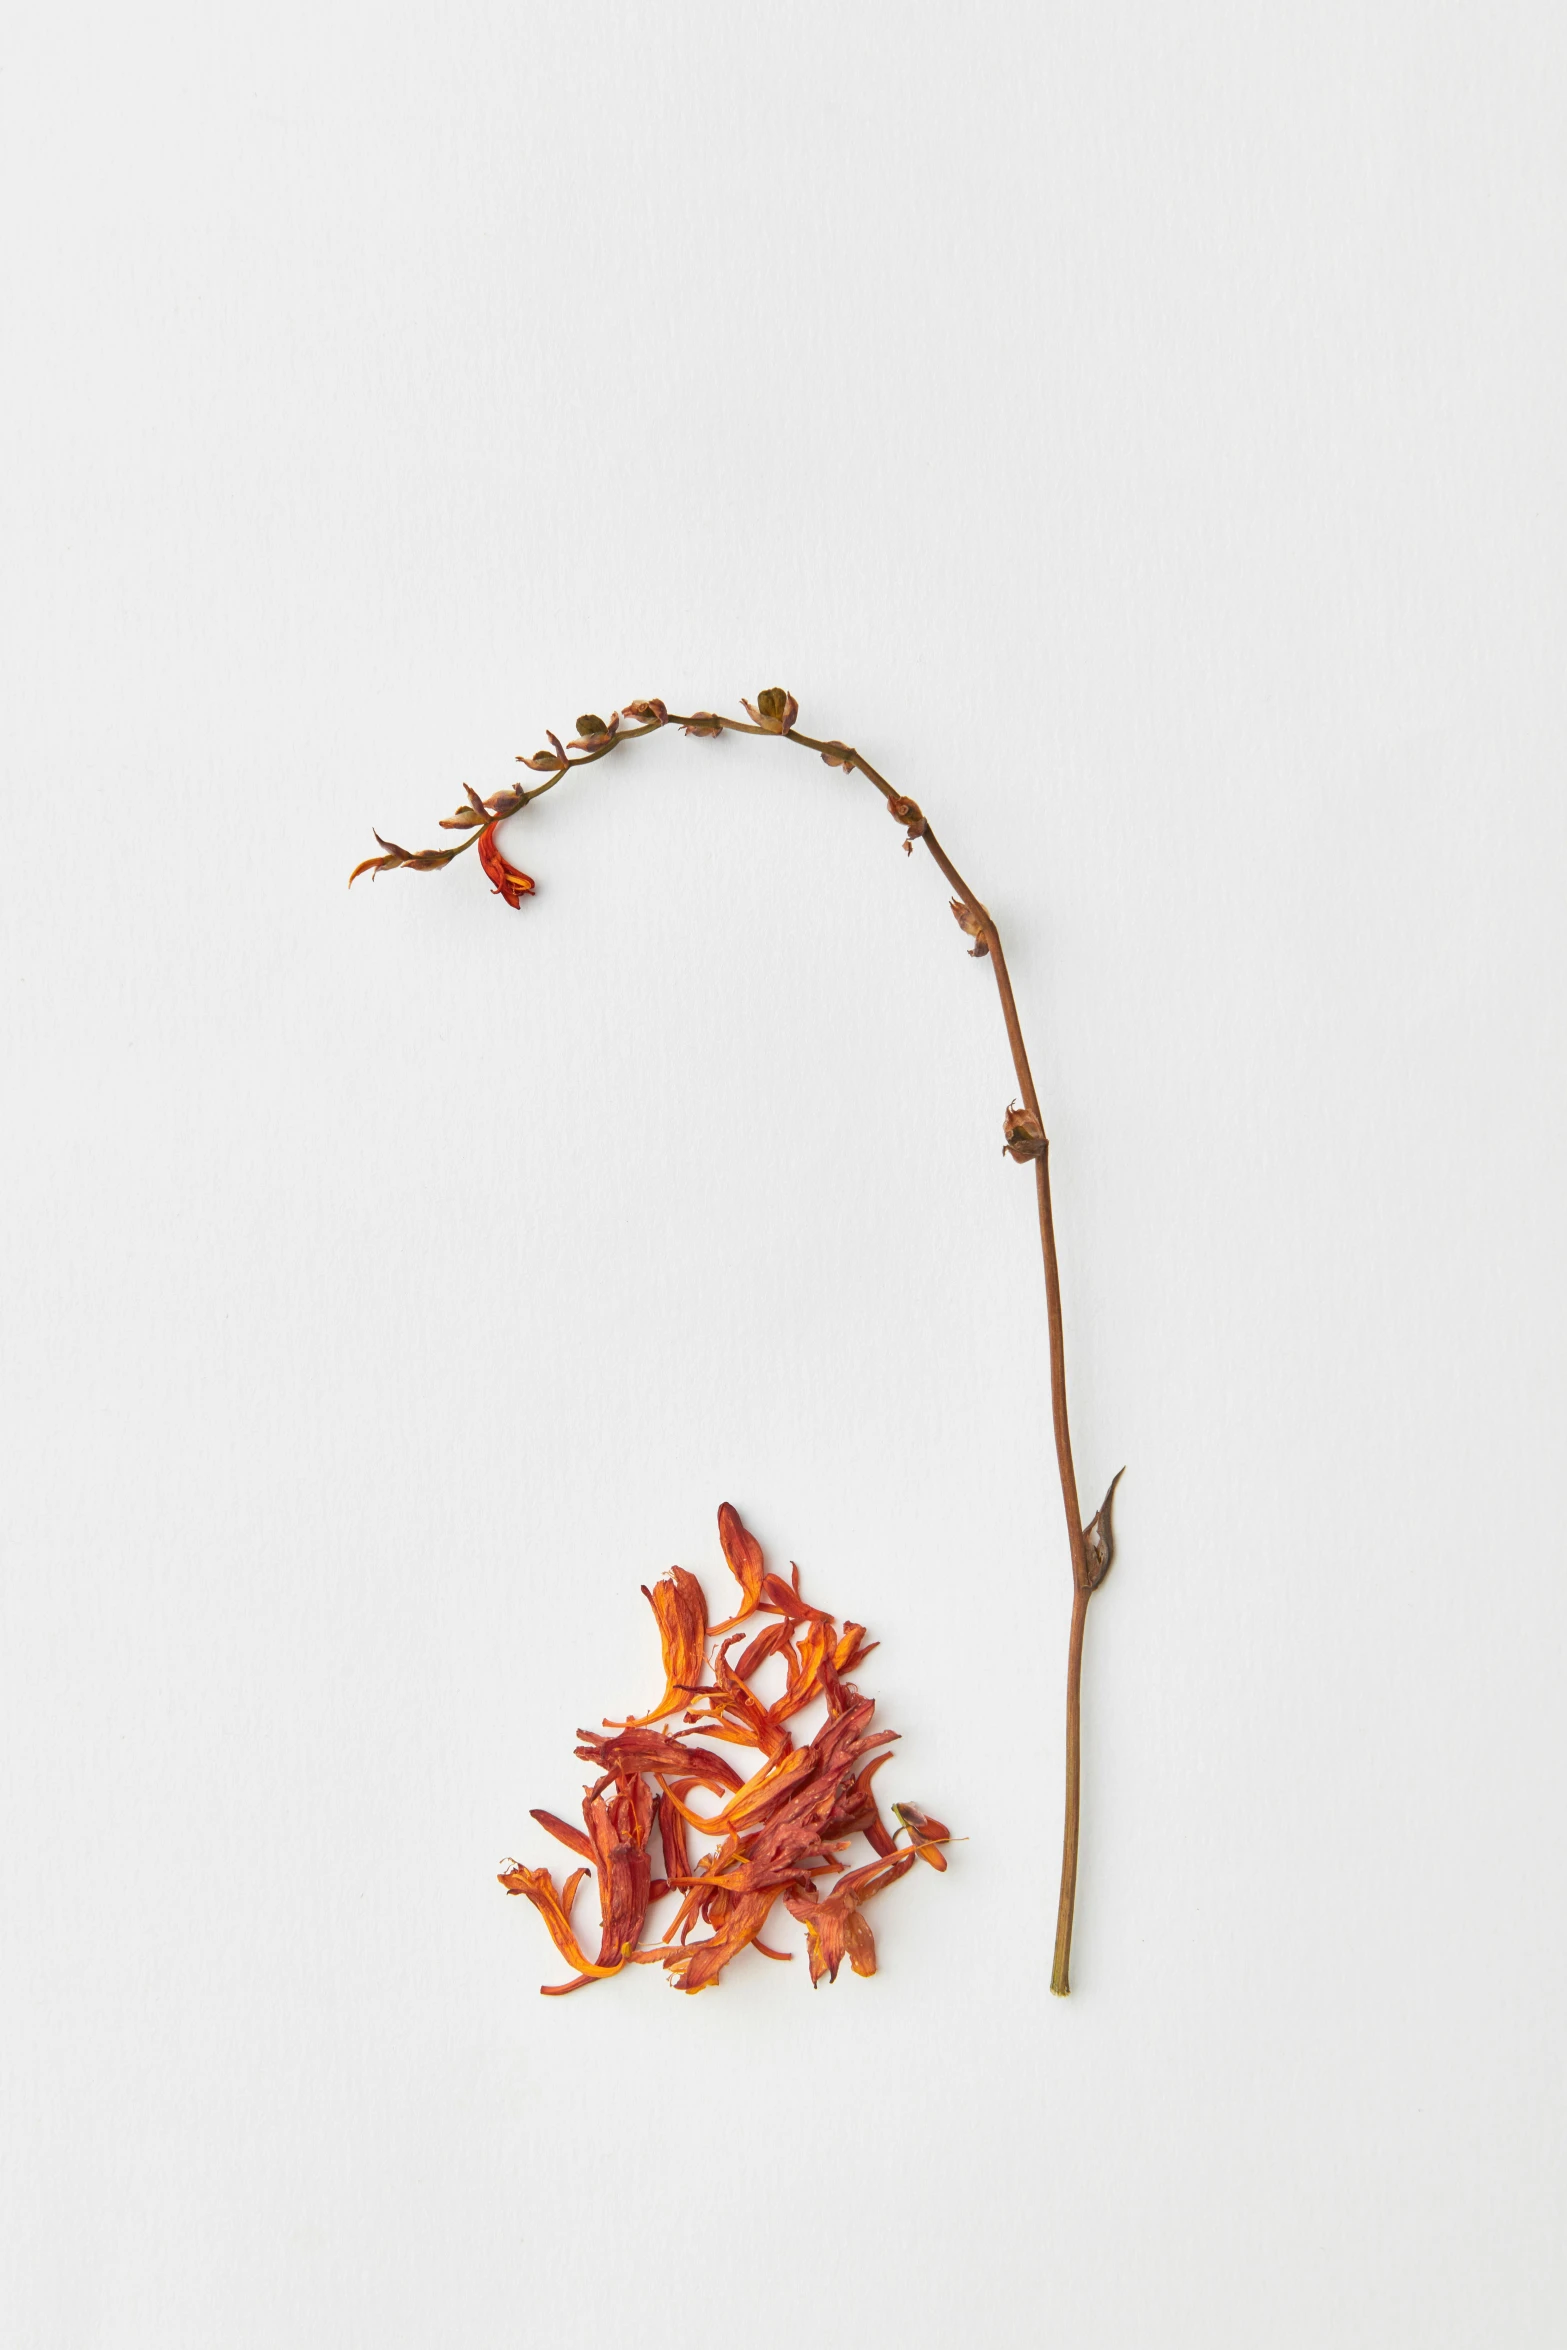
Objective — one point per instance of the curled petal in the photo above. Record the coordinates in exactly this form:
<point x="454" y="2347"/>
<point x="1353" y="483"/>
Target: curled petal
<point x="805" y="1680"/>
<point x="651" y="713"/>
<point x="678" y="1603"/>
<point x="834" y="1930"/>
<point x="510" y="882"/>
<point x="785" y="1597"/>
<point x="625" y="1891"/>
<point x="640" y="1749"/>
<point x="852" y="1648"/>
<point x="857" y="1808"/>
<point x="743" y="1554"/>
<point x="763" y="1646"/>
<point x="571" y="1837"/>
<point x="697" y="1967"/>
<point x="555" y="1909"/>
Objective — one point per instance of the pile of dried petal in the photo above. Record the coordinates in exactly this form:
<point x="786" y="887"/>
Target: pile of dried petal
<point x="776" y="1835"/>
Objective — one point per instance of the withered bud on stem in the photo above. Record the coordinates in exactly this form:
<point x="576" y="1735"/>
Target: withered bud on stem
<point x="973" y="925"/>
<point x="417" y="861"/>
<point x="840" y="755"/>
<point x="774" y="711"/>
<point x="704" y="722"/>
<point x="1099" y="1536"/>
<point x="906" y="812"/>
<point x="651" y="713"/>
<point x="593" y="733"/>
<point x="466" y="818"/>
<point x="1024" y="1136"/>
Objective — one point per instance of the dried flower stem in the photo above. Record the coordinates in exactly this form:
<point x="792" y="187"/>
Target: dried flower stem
<point x="1092" y="1547"/>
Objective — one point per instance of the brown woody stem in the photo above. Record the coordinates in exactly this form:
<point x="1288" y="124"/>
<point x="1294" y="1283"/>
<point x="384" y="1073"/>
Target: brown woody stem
<point x="1060" y="1972"/>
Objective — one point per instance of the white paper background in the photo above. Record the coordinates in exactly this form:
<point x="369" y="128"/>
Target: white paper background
<point x="1140" y="429"/>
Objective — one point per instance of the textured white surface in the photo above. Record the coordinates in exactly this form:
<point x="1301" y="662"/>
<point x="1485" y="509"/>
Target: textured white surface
<point x="1140" y="429"/>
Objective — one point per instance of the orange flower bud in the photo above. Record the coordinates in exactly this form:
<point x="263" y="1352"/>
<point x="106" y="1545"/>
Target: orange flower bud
<point x="510" y="883"/>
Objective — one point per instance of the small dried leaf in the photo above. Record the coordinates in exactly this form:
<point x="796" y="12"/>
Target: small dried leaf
<point x="1099" y="1536"/>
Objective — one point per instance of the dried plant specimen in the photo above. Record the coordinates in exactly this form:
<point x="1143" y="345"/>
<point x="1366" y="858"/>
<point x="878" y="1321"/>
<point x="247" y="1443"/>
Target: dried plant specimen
<point x="1092" y="1546"/>
<point x="773" y="1835"/>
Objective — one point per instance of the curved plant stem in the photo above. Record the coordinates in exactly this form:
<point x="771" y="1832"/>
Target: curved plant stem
<point x="1089" y="1566"/>
<point x="1061" y="1969"/>
<point x="1082" y="1589"/>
